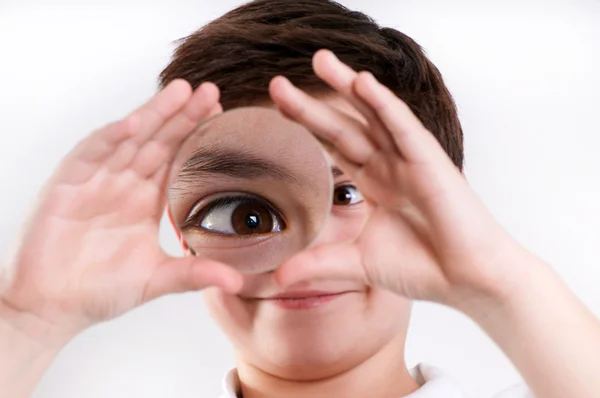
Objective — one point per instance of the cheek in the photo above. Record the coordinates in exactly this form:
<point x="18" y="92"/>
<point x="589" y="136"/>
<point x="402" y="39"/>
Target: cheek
<point x="229" y="313"/>
<point x="390" y="309"/>
<point x="343" y="225"/>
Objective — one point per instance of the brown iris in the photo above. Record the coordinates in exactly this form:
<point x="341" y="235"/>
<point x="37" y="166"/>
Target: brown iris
<point x="252" y="218"/>
<point x="342" y="196"/>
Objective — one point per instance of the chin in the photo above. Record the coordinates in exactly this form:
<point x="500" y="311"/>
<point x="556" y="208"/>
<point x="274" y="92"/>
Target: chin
<point x="319" y="348"/>
<point x="312" y="343"/>
<point x="308" y="359"/>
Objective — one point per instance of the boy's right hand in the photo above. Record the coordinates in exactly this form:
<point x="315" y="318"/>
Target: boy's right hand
<point x="90" y="251"/>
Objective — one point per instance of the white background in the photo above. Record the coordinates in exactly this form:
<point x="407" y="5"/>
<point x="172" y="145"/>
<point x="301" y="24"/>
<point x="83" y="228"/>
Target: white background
<point x="525" y="76"/>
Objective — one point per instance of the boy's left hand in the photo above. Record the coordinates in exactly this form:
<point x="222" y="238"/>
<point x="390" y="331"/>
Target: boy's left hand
<point x="428" y="236"/>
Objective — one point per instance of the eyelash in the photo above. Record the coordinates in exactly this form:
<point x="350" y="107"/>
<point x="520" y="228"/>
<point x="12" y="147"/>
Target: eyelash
<point x="346" y="184"/>
<point x="194" y="219"/>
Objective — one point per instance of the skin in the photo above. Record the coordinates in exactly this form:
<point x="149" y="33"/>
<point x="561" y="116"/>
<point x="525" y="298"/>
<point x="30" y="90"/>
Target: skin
<point x="325" y="351"/>
<point x="303" y="195"/>
<point x="453" y="251"/>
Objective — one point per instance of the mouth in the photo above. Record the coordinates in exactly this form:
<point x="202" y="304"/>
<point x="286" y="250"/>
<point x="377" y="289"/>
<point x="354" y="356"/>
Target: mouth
<point x="302" y="300"/>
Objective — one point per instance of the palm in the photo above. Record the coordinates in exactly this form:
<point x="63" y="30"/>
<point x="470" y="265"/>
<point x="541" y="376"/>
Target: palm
<point x="97" y="245"/>
<point x="92" y="252"/>
<point x="393" y="242"/>
<point x="405" y="245"/>
<point x="426" y="233"/>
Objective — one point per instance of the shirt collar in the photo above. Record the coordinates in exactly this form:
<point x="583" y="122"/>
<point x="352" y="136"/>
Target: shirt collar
<point x="434" y="383"/>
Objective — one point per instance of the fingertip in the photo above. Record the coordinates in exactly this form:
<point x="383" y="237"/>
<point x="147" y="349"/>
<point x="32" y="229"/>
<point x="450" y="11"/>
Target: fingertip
<point x="325" y="55"/>
<point x="321" y="57"/>
<point x="273" y="88"/>
<point x="323" y="52"/>
<point x="330" y="68"/>
<point x="284" y="275"/>
<point x="225" y="277"/>
<point x="180" y="83"/>
<point x="180" y="86"/>
<point x="277" y="84"/>
<point x="281" y="88"/>
<point x="234" y="282"/>
<point x="209" y="91"/>
<point x="131" y="124"/>
<point x="294" y="270"/>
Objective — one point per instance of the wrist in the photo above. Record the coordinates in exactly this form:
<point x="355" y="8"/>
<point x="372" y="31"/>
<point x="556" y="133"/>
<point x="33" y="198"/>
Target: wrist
<point x="23" y="359"/>
<point x="511" y="289"/>
<point x="544" y="329"/>
<point x="27" y="329"/>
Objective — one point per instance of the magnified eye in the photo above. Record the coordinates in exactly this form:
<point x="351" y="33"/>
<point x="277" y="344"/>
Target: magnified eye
<point x="237" y="215"/>
<point x="346" y="195"/>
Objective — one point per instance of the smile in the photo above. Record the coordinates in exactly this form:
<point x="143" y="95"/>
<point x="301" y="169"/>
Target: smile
<point x="302" y="300"/>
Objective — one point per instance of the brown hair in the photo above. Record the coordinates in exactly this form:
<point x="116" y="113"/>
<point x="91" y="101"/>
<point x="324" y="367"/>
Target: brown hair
<point x="244" y="49"/>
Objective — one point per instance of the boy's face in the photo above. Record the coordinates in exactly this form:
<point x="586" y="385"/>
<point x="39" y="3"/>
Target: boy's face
<point x="314" y="337"/>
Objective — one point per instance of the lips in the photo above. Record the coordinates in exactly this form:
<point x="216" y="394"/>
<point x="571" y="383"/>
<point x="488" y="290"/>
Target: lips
<point x="302" y="300"/>
<point x="298" y="295"/>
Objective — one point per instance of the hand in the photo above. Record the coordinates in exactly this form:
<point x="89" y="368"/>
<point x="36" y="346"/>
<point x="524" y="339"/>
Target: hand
<point x="91" y="250"/>
<point x="427" y="236"/>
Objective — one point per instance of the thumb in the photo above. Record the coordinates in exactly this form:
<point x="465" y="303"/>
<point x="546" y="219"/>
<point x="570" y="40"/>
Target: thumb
<point x="191" y="273"/>
<point x="339" y="261"/>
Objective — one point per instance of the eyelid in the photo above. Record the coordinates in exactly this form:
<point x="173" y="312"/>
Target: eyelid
<point x="348" y="184"/>
<point x="343" y="183"/>
<point x="209" y="203"/>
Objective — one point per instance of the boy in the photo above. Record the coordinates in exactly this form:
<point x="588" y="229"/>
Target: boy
<point x="92" y="253"/>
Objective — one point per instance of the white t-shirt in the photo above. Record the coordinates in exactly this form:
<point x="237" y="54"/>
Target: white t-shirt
<point x="434" y="384"/>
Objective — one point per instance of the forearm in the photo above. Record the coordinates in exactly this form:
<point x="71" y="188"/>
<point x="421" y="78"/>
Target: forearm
<point x="547" y="332"/>
<point x="23" y="358"/>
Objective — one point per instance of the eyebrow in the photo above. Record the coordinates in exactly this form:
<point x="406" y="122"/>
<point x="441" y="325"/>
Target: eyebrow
<point x="231" y="163"/>
<point x="336" y="172"/>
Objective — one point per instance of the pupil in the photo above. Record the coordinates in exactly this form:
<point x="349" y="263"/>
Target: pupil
<point x="342" y="196"/>
<point x="252" y="217"/>
<point x="252" y="221"/>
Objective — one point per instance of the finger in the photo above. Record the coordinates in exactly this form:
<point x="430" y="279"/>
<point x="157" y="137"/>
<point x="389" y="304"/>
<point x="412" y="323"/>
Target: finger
<point x="203" y="102"/>
<point x="117" y="143"/>
<point x="162" y="107"/>
<point x="414" y="142"/>
<point x="102" y="142"/>
<point x="179" y="275"/>
<point x="152" y="116"/>
<point x="345" y="133"/>
<point x="163" y="146"/>
<point x="218" y="108"/>
<point x="340" y="261"/>
<point x="83" y="161"/>
<point x="334" y="157"/>
<point x="341" y="78"/>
